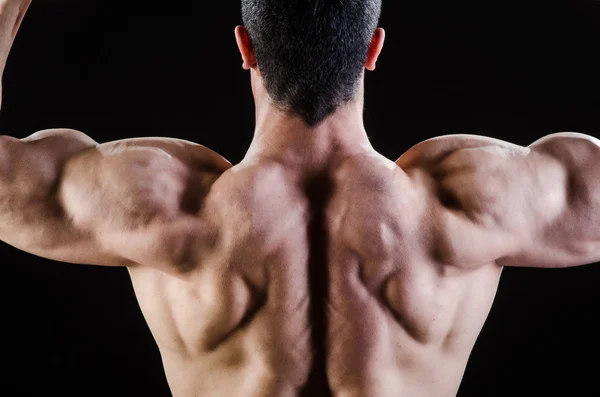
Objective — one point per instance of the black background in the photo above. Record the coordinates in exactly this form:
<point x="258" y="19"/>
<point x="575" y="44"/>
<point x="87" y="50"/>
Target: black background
<point x="515" y="70"/>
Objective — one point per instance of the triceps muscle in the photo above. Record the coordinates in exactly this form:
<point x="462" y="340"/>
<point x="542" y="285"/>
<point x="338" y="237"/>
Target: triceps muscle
<point x="32" y="217"/>
<point x="573" y="237"/>
<point x="131" y="199"/>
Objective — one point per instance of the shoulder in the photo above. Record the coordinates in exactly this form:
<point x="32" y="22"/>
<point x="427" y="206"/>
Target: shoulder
<point x="189" y="153"/>
<point x="433" y="151"/>
<point x="174" y="161"/>
<point x="494" y="183"/>
<point x="140" y="180"/>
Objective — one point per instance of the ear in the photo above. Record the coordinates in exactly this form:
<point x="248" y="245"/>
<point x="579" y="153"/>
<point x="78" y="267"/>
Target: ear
<point x="375" y="48"/>
<point x="244" y="44"/>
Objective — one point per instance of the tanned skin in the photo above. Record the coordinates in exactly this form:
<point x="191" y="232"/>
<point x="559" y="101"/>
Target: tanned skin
<point x="223" y="258"/>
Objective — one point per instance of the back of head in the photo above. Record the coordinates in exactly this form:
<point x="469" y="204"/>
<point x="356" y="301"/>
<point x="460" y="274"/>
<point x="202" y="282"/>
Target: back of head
<point x="311" y="53"/>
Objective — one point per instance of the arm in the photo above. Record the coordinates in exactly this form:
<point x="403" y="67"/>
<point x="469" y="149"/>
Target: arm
<point x="32" y="215"/>
<point x="67" y="198"/>
<point x="516" y="206"/>
<point x="11" y="16"/>
<point x="123" y="203"/>
<point x="569" y="235"/>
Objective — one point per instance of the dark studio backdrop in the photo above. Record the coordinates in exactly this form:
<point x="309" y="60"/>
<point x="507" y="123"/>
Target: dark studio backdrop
<point x="514" y="70"/>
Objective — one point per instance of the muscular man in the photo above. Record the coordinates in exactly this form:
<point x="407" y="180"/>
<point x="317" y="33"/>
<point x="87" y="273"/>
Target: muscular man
<point x="315" y="266"/>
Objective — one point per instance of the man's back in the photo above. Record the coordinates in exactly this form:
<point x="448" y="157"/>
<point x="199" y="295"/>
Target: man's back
<point x="357" y="277"/>
<point x="315" y="266"/>
<point x="314" y="280"/>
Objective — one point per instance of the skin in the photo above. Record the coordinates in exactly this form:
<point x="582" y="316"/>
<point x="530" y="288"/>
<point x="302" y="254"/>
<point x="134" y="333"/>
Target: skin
<point x="315" y="266"/>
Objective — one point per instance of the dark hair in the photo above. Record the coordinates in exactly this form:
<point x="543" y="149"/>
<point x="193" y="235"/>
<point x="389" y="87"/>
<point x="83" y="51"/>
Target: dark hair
<point x="311" y="52"/>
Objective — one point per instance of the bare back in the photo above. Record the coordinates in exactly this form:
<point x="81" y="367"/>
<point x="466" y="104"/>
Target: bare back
<point x="315" y="267"/>
<point x="317" y="285"/>
<point x="362" y="277"/>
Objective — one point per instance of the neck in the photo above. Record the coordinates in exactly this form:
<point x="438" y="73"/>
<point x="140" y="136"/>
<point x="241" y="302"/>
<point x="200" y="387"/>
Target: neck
<point x="286" y="138"/>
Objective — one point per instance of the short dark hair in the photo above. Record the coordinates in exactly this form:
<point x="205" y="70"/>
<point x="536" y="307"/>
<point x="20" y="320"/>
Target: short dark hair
<point x="311" y="53"/>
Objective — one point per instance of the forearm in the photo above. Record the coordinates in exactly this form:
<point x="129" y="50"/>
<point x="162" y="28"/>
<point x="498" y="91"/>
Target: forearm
<point x="11" y="15"/>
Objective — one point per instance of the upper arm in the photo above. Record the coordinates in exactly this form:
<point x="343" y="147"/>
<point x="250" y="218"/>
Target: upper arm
<point x="535" y="206"/>
<point x="120" y="203"/>
<point x="32" y="218"/>
<point x="569" y="236"/>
